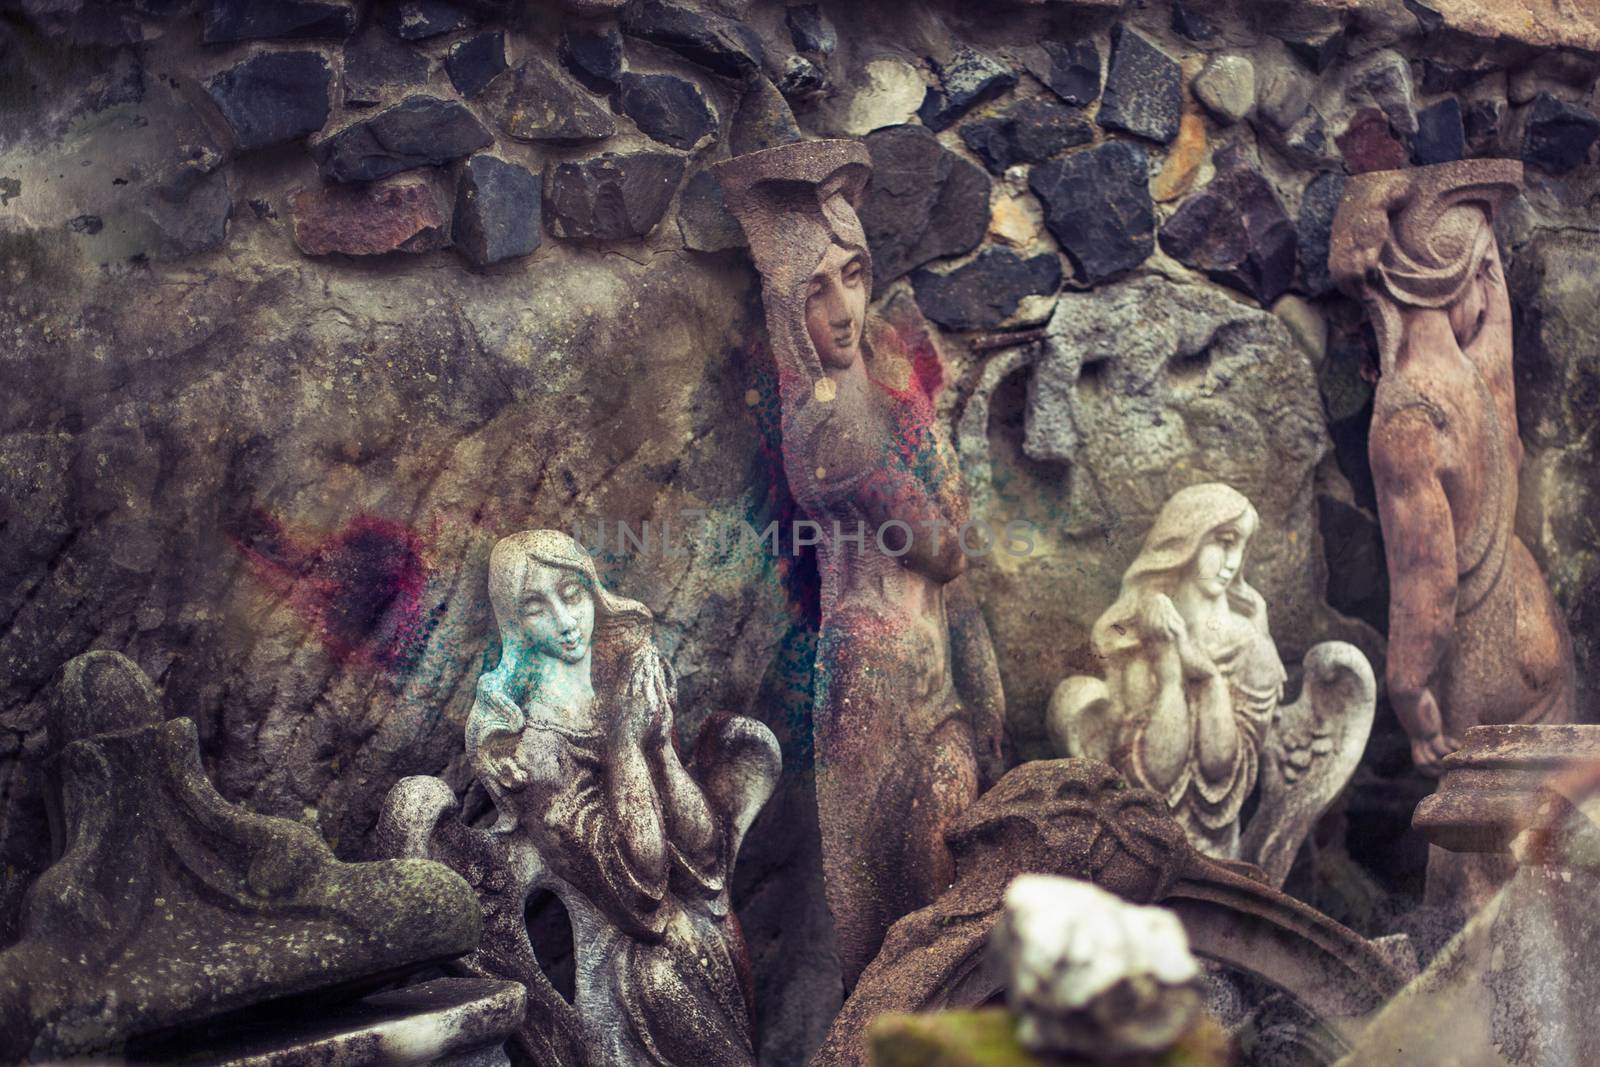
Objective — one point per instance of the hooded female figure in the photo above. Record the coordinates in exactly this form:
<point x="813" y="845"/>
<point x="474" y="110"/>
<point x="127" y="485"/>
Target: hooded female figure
<point x="572" y="736"/>
<point x="1193" y="677"/>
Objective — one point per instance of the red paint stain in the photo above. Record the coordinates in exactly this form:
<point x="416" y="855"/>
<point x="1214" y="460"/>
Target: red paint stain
<point x="360" y="589"/>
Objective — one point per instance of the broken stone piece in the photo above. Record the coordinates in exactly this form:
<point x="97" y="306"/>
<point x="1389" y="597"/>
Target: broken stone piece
<point x="170" y="906"/>
<point x="475" y="62"/>
<point x="378" y="63"/>
<point x="536" y="102"/>
<point x="810" y="30"/>
<point x="1144" y="89"/>
<point x="594" y="57"/>
<point x="1368" y="144"/>
<point x="415" y="20"/>
<point x="420" y="131"/>
<point x="1091" y="974"/>
<point x="1070" y="69"/>
<point x="722" y="45"/>
<point x="668" y="109"/>
<point x="1441" y="135"/>
<point x="966" y="80"/>
<point x="243" y="20"/>
<point x="1026" y="131"/>
<point x="402" y="215"/>
<point x="1097" y="204"/>
<point x="1235" y="230"/>
<point x="985" y="293"/>
<point x="273" y="97"/>
<point x="612" y="197"/>
<point x="497" y="211"/>
<point x="1558" y="135"/>
<point x="926" y="202"/>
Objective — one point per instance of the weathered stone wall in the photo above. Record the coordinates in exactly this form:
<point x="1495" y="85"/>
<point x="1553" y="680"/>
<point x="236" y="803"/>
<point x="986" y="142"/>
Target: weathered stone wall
<point x="307" y="302"/>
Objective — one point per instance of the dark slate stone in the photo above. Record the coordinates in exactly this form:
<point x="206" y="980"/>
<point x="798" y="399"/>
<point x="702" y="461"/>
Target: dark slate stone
<point x="536" y="102"/>
<point x="420" y="131"/>
<point x="703" y="218"/>
<point x="1319" y="51"/>
<point x="925" y="202"/>
<point x="1317" y="206"/>
<point x="1235" y="231"/>
<point x="474" y="63"/>
<point x="273" y="97"/>
<point x="1144" y="89"/>
<point x="1071" y="70"/>
<point x="378" y="62"/>
<point x="967" y="80"/>
<point x="1441" y="136"/>
<point x="1482" y="123"/>
<point x="1368" y="143"/>
<point x="611" y="197"/>
<point x="594" y="57"/>
<point x="1427" y="17"/>
<point x="1028" y="131"/>
<point x="1558" y="135"/>
<point x="1440" y="77"/>
<point x="1358" y="579"/>
<point x="414" y="20"/>
<point x="1097" y="205"/>
<point x="982" y="294"/>
<point x="497" y="211"/>
<point x="1187" y="22"/>
<point x="244" y="20"/>
<point x="763" y="119"/>
<point x="721" y="45"/>
<point x="667" y="109"/>
<point x="810" y="29"/>
<point x="802" y="79"/>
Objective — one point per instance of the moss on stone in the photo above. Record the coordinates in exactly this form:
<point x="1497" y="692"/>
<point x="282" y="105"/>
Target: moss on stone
<point x="987" y="1038"/>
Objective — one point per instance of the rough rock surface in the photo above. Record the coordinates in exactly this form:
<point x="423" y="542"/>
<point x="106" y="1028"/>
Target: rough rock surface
<point x="473" y="63"/>
<point x="1441" y="135"/>
<point x="1558" y="135"/>
<point x="420" y="131"/>
<point x="497" y="210"/>
<point x="1097" y="204"/>
<point x="401" y="215"/>
<point x="1236" y="231"/>
<point x="1318" y="204"/>
<point x="1227" y="87"/>
<point x="966" y="80"/>
<point x="273" y="97"/>
<point x="594" y="56"/>
<point x="703" y="220"/>
<point x="612" y="197"/>
<point x="536" y="102"/>
<point x="722" y="45"/>
<point x="1144" y="89"/>
<point x="378" y="64"/>
<point x="1027" y="131"/>
<point x="242" y="20"/>
<point x="985" y="292"/>
<point x="925" y="202"/>
<point x="668" y="109"/>
<point x="1070" y="69"/>
<point x="415" y="20"/>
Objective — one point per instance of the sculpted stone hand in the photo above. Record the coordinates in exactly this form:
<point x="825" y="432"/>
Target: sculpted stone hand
<point x="1190" y="705"/>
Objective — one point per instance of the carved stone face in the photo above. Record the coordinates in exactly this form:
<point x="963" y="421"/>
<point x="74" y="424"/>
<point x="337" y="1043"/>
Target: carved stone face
<point x="556" y="610"/>
<point x="1217" y="562"/>
<point x="836" y="306"/>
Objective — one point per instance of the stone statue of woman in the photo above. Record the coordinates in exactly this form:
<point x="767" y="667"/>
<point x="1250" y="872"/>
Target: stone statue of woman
<point x="1190" y="703"/>
<point x="572" y="735"/>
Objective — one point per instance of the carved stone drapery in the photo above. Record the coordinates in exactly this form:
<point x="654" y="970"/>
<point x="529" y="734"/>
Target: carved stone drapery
<point x="908" y="718"/>
<point x="167" y="906"/>
<point x="1475" y="638"/>
<point x="1078" y="818"/>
